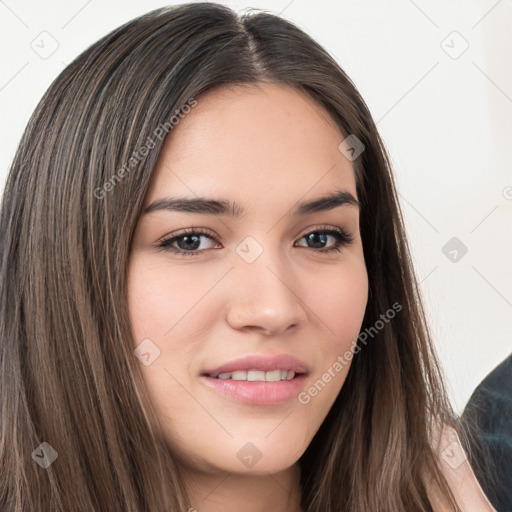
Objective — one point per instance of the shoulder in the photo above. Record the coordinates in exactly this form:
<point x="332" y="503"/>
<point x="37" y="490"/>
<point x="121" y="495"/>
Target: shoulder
<point x="459" y="476"/>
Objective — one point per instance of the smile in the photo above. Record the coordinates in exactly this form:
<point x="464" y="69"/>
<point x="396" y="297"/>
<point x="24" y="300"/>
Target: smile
<point x="256" y="392"/>
<point x="257" y="375"/>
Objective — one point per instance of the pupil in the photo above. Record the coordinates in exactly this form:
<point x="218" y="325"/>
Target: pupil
<point x="188" y="238"/>
<point x="317" y="235"/>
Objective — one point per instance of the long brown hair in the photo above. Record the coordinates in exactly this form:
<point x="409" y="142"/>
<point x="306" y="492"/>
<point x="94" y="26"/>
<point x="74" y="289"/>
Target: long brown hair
<point x="68" y="375"/>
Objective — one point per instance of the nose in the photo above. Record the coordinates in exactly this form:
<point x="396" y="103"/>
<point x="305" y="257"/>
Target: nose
<point x="264" y="296"/>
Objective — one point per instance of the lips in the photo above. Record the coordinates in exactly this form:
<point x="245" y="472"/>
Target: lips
<point x="260" y="362"/>
<point x="256" y="393"/>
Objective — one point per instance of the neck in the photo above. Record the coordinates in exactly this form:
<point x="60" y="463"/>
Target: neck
<point x="232" y="492"/>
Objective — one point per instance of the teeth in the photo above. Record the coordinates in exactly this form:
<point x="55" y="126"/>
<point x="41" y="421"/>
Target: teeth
<point x="255" y="375"/>
<point x="272" y="376"/>
<point x="258" y="375"/>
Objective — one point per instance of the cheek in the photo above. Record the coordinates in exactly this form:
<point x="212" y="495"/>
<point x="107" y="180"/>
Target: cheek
<point x="163" y="303"/>
<point x="340" y="304"/>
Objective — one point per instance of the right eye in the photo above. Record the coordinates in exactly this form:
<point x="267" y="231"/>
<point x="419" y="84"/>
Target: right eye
<point x="188" y="242"/>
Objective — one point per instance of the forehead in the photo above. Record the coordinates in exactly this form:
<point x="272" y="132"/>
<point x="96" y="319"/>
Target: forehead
<point x="256" y="143"/>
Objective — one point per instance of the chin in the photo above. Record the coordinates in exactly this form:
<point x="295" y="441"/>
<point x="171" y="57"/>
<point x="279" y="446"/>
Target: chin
<point x="250" y="460"/>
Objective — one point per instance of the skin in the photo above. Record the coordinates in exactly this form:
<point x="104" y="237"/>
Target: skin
<point x="460" y="476"/>
<point x="266" y="148"/>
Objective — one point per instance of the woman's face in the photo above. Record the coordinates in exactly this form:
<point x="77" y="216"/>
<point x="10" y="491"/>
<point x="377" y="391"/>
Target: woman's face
<point x="254" y="283"/>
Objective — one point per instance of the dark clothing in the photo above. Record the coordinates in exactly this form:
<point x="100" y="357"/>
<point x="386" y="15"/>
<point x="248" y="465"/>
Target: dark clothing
<point x="487" y="419"/>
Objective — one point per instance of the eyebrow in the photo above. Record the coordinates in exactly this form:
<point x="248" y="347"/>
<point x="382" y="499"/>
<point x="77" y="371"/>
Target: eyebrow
<point x="206" y="206"/>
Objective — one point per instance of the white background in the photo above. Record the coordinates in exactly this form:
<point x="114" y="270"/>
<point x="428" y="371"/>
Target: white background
<point x="445" y="118"/>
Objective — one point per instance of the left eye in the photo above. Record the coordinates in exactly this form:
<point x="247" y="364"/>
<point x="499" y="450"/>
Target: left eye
<point x="188" y="241"/>
<point x="342" y="239"/>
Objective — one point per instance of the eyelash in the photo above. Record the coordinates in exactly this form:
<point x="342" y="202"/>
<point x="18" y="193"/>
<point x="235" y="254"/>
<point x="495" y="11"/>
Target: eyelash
<point x="343" y="239"/>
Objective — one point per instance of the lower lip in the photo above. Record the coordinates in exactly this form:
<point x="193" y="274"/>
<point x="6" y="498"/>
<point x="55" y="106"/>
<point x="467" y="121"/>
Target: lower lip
<point x="258" y="392"/>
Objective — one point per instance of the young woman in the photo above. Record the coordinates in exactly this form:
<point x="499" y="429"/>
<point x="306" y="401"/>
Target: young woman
<point x="207" y="298"/>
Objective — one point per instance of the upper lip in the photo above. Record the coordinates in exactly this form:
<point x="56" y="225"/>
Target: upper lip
<point x="261" y="362"/>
